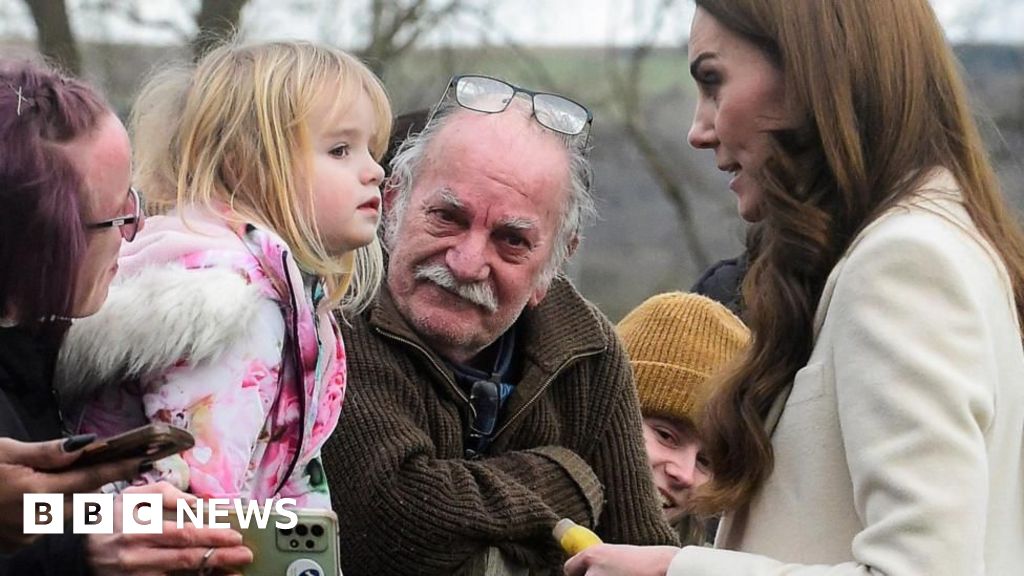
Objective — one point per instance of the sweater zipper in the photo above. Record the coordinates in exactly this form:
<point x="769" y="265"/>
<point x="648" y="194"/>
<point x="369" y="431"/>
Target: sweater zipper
<point x="299" y="372"/>
<point x="437" y="367"/>
<point x="543" y="387"/>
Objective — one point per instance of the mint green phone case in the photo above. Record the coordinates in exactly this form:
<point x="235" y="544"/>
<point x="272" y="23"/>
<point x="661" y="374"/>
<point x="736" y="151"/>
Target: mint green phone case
<point x="308" y="549"/>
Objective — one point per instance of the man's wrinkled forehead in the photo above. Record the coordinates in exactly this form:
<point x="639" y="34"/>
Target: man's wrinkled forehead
<point x="508" y="145"/>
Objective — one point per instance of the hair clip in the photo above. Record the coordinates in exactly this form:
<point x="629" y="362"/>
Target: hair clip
<point x="20" y="95"/>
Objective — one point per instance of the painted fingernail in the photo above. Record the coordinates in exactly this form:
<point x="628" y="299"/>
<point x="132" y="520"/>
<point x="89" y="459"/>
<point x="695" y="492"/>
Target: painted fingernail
<point x="77" y="442"/>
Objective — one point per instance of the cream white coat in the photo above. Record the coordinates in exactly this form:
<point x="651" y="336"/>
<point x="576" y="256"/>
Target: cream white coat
<point x="900" y="449"/>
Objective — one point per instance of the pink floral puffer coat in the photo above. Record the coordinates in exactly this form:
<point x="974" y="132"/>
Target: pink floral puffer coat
<point x="212" y="327"/>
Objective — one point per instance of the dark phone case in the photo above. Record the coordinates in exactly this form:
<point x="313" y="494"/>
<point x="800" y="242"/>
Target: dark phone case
<point x="152" y="442"/>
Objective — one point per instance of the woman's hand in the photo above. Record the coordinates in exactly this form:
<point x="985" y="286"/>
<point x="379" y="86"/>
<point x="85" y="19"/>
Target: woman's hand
<point x="176" y="549"/>
<point x="620" y="560"/>
<point x="27" y="467"/>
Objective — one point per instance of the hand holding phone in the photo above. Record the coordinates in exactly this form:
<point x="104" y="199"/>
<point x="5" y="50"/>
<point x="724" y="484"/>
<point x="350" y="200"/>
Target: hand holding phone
<point x="309" y="548"/>
<point x="151" y="442"/>
<point x="43" y="467"/>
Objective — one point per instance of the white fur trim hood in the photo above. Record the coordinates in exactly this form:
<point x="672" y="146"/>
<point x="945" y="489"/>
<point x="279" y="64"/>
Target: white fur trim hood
<point x="152" y="321"/>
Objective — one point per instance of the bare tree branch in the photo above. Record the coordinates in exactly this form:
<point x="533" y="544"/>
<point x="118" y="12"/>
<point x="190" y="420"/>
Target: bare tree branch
<point x="217" y="21"/>
<point x="131" y="12"/>
<point x="397" y="28"/>
<point x="425" y="24"/>
<point x="532" y="66"/>
<point x="625" y="85"/>
<point x="56" y="40"/>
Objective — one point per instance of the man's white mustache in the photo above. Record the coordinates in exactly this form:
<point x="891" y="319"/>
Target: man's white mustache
<point x="478" y="293"/>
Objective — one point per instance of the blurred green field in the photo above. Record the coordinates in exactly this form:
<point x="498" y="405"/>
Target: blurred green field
<point x="583" y="74"/>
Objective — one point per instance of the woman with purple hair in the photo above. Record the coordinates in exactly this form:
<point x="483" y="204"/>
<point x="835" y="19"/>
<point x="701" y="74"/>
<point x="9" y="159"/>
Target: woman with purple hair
<point x="66" y="206"/>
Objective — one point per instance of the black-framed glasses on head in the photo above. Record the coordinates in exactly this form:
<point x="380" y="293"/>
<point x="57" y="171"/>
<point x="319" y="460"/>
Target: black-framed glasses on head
<point x="491" y="95"/>
<point x="129" y="224"/>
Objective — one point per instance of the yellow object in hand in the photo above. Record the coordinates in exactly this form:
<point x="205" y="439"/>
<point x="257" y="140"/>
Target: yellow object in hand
<point x="573" y="537"/>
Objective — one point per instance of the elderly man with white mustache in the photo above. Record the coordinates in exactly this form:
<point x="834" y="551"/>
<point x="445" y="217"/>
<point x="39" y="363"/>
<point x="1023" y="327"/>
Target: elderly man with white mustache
<point x="489" y="398"/>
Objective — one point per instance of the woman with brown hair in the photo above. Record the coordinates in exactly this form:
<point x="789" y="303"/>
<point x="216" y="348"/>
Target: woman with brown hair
<point x="875" y="426"/>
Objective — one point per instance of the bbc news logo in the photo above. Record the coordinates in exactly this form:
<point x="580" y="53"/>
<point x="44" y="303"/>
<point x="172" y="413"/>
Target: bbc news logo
<point x="143" y="513"/>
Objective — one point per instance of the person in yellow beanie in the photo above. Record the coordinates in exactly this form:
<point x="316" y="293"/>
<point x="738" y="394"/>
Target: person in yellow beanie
<point x="676" y="342"/>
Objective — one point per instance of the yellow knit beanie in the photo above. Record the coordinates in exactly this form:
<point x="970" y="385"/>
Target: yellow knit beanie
<point x="675" y="341"/>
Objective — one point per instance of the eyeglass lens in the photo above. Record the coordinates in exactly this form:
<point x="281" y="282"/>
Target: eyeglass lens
<point x="552" y="111"/>
<point x="485" y="399"/>
<point x="559" y="114"/>
<point x="483" y="94"/>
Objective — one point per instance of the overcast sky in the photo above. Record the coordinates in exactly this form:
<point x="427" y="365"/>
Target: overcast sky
<point x="587" y="22"/>
<point x="989" y="20"/>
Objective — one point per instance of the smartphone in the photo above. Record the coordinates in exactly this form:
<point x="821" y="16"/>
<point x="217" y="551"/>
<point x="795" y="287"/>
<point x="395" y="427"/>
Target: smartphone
<point x="152" y="442"/>
<point x="310" y="548"/>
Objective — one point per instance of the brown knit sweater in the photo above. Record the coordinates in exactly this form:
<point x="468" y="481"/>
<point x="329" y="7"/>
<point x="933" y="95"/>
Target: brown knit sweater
<point x="568" y="444"/>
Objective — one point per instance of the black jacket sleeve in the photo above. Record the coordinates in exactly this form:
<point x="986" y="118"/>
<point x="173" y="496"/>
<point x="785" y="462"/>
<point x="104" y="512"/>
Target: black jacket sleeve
<point x="50" y="555"/>
<point x="723" y="281"/>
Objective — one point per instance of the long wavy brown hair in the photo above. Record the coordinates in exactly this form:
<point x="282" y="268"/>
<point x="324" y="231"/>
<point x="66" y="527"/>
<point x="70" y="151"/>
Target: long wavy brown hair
<point x="882" y="103"/>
